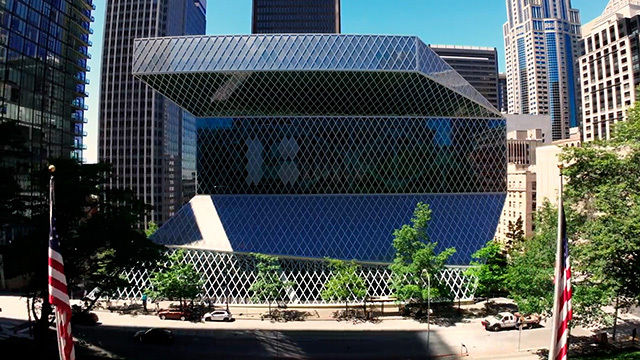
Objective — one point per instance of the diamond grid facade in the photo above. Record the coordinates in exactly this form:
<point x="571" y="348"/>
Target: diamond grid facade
<point x="313" y="146"/>
<point x="228" y="277"/>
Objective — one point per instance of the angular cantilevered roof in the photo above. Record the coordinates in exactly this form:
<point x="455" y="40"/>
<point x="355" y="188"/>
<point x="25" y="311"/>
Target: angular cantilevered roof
<point x="306" y="75"/>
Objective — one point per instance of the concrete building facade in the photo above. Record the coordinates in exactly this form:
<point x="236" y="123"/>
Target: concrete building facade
<point x="541" y="40"/>
<point x="141" y="134"/>
<point x="547" y="172"/>
<point x="610" y="67"/>
<point x="522" y="201"/>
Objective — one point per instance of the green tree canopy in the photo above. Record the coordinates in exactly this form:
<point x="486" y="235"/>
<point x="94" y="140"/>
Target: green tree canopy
<point x="515" y="233"/>
<point x="152" y="227"/>
<point x="415" y="258"/>
<point x="269" y="285"/>
<point x="490" y="268"/>
<point x="604" y="192"/>
<point x="97" y="226"/>
<point x="345" y="283"/>
<point x="178" y="280"/>
<point x="530" y="274"/>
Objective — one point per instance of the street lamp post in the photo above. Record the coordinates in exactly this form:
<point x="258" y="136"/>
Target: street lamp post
<point x="424" y="271"/>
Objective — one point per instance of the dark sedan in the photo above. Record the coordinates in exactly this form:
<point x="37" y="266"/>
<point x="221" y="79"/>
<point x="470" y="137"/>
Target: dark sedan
<point x="154" y="336"/>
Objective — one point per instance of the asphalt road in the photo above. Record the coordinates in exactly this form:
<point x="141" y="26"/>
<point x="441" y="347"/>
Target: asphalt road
<point x="266" y="344"/>
<point x="319" y="339"/>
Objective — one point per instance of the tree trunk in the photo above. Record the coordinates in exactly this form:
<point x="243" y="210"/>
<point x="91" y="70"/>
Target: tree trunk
<point x="42" y="323"/>
<point x="615" y="320"/>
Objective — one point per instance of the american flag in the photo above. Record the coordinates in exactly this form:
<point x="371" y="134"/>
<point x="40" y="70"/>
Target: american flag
<point x="58" y="295"/>
<point x="563" y="312"/>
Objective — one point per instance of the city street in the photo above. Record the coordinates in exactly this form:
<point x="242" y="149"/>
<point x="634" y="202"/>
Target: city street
<point x="255" y="339"/>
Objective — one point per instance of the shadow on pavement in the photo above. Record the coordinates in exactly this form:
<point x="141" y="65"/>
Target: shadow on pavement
<point x="109" y="342"/>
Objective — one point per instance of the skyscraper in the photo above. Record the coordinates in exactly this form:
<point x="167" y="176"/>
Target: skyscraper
<point x="541" y="44"/>
<point x="295" y="16"/>
<point x="43" y="64"/>
<point x="610" y="67"/>
<point x="142" y="134"/>
<point x="477" y="65"/>
<point x="502" y="93"/>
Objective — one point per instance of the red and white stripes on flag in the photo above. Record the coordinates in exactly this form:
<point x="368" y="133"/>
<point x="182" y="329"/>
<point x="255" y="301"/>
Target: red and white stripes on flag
<point x="562" y="306"/>
<point x="58" y="295"/>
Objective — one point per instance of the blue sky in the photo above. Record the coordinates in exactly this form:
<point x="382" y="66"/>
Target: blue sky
<point x="451" y="22"/>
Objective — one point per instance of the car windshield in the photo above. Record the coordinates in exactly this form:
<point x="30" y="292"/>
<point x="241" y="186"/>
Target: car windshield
<point x="499" y="317"/>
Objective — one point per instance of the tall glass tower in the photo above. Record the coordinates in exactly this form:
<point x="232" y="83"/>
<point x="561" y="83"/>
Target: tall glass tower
<point x="541" y="45"/>
<point x="296" y="16"/>
<point x="43" y="64"/>
<point x="141" y="133"/>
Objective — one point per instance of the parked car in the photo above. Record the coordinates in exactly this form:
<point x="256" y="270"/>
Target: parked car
<point x="218" y="315"/>
<point x="507" y="320"/>
<point x="154" y="336"/>
<point x="175" y="314"/>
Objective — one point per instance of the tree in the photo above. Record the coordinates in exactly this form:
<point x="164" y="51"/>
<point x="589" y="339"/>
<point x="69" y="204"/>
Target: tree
<point x="529" y="277"/>
<point x="152" y="227"/>
<point x="490" y="268"/>
<point x="177" y="281"/>
<point x="604" y="192"/>
<point x="268" y="285"/>
<point x="98" y="230"/>
<point x="415" y="258"/>
<point x="344" y="284"/>
<point x="14" y="164"/>
<point x="515" y="233"/>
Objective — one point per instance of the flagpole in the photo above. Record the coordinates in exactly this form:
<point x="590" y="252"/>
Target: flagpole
<point x="52" y="169"/>
<point x="60" y="343"/>
<point x="558" y="287"/>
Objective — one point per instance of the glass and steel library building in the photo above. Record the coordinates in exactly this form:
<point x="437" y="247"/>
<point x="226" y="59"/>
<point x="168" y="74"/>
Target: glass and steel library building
<point x="312" y="146"/>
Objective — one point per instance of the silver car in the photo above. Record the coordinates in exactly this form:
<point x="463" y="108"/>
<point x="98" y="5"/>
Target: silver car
<point x="218" y="315"/>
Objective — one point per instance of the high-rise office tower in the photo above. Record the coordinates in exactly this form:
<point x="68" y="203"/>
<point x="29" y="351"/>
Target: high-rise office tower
<point x="43" y="64"/>
<point x="296" y="16"/>
<point x="541" y="40"/>
<point x="610" y="67"/>
<point x="141" y="133"/>
<point x="477" y="65"/>
<point x="502" y="93"/>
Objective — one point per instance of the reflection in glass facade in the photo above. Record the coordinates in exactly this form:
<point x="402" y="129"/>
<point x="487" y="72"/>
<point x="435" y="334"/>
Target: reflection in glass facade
<point x="43" y="64"/>
<point x="347" y="155"/>
<point x="295" y="16"/>
<point x="313" y="146"/>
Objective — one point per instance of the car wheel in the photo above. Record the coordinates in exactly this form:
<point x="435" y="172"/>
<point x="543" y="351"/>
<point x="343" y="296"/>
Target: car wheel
<point x="162" y="317"/>
<point x="182" y="318"/>
<point x="496" y="327"/>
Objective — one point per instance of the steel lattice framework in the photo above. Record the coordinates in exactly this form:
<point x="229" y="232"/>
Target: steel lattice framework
<point x="314" y="146"/>
<point x="228" y="276"/>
